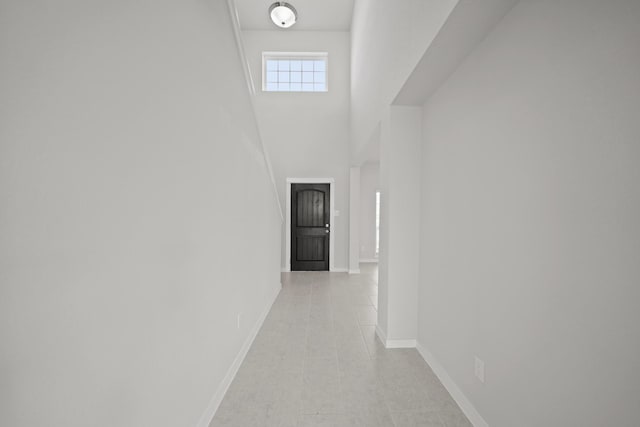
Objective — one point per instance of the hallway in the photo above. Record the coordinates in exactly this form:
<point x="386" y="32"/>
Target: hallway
<point x="317" y="362"/>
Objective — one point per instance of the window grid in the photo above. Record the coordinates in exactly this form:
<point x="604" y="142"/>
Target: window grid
<point x="295" y="74"/>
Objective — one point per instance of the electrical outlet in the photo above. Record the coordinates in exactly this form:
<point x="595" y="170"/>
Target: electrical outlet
<point x="239" y="320"/>
<point x="479" y="369"/>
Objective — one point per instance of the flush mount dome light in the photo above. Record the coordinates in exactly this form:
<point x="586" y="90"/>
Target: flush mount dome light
<point x="283" y="14"/>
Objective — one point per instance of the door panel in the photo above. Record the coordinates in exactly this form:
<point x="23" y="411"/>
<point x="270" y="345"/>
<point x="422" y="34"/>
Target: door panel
<point x="310" y="227"/>
<point x="310" y="206"/>
<point x="310" y="248"/>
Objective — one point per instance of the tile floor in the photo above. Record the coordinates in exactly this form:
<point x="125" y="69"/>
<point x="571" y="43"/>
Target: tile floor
<point x="317" y="362"/>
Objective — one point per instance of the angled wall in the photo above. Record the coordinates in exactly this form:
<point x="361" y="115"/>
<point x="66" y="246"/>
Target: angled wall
<point x="388" y="38"/>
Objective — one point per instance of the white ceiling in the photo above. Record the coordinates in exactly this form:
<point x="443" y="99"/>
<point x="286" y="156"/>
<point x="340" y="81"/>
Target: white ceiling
<point x="316" y="15"/>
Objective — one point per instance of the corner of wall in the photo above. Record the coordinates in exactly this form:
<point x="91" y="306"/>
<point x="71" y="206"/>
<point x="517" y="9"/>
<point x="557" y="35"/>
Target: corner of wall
<point x="463" y="402"/>
<point x="218" y="396"/>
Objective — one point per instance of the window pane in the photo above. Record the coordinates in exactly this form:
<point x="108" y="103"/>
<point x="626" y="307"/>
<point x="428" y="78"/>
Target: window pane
<point x="272" y="65"/>
<point x="286" y="73"/>
<point x="283" y="65"/>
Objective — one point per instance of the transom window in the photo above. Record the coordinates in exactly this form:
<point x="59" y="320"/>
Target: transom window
<point x="294" y="72"/>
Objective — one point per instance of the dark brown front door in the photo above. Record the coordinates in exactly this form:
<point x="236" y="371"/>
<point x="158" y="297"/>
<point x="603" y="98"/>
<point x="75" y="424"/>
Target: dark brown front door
<point x="310" y="227"/>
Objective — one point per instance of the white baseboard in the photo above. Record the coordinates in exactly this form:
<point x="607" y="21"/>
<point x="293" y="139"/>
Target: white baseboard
<point x="400" y="344"/>
<point x="393" y="343"/>
<point x="465" y="404"/>
<point x="354" y="271"/>
<point x="340" y="270"/>
<point x="369" y="260"/>
<point x="209" y="413"/>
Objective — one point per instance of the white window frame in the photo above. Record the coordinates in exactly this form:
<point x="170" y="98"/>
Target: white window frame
<point x="293" y="56"/>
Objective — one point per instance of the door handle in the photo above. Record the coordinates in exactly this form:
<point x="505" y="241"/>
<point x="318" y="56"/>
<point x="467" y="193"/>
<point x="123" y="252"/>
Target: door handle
<point x="326" y="231"/>
<point x="326" y="225"/>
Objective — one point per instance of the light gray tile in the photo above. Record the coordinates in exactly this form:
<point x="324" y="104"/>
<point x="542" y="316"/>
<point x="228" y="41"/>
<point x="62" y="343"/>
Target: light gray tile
<point x="317" y="362"/>
<point x="408" y="399"/>
<point x="324" y="420"/>
<point x="416" y="419"/>
<point x="241" y="416"/>
<point x="326" y="398"/>
<point x="321" y="348"/>
<point x="375" y="416"/>
<point x="325" y="368"/>
<point x="361" y="299"/>
<point x="367" y="315"/>
<point x="283" y="413"/>
<point x="454" y="418"/>
<point x="360" y="419"/>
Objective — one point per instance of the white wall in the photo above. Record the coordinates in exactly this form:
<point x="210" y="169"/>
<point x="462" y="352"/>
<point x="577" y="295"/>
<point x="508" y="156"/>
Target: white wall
<point x="130" y="177"/>
<point x="530" y="205"/>
<point x="388" y="38"/>
<point x="400" y="143"/>
<point x="369" y="185"/>
<point x="308" y="133"/>
<point x="354" y="220"/>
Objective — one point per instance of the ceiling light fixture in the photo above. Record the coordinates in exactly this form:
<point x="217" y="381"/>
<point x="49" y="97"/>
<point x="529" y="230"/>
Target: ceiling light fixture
<point x="283" y="14"/>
